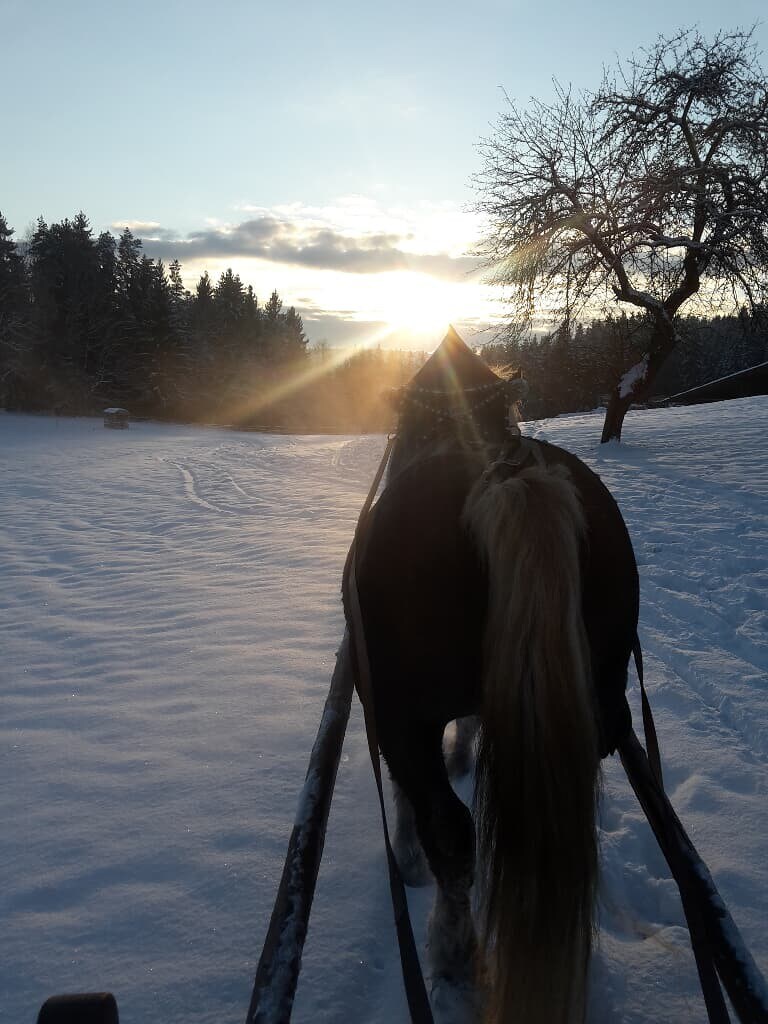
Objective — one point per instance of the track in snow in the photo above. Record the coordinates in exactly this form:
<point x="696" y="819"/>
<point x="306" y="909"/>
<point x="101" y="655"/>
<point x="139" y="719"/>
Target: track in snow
<point x="170" y="613"/>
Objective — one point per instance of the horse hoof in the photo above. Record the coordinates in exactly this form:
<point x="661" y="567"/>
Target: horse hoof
<point x="455" y="1000"/>
<point x="451" y="940"/>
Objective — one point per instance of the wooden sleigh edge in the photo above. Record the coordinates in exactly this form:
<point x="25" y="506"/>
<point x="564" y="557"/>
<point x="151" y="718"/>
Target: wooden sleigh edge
<point x="280" y="961"/>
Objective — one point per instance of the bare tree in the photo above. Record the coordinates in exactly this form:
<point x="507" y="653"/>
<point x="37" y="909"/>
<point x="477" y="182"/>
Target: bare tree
<point x="647" y="192"/>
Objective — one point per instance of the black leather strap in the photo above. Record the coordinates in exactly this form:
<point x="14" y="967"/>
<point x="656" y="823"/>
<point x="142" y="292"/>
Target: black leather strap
<point x="413" y="979"/>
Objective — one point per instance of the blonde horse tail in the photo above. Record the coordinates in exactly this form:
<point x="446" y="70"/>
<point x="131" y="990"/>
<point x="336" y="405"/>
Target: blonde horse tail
<point x="538" y="765"/>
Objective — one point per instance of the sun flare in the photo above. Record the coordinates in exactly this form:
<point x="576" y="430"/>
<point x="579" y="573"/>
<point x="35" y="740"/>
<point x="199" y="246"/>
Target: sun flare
<point x="421" y="305"/>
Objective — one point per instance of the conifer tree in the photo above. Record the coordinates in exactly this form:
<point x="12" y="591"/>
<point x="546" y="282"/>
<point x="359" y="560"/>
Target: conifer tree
<point x="16" y="341"/>
<point x="12" y="277"/>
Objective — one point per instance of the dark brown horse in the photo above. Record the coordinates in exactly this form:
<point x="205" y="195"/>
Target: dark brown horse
<point x="497" y="579"/>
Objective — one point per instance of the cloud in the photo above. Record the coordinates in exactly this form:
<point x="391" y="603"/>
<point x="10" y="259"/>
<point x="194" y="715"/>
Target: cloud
<point x="295" y="240"/>
<point x="339" y="329"/>
<point x="359" y="271"/>
<point x="143" y="226"/>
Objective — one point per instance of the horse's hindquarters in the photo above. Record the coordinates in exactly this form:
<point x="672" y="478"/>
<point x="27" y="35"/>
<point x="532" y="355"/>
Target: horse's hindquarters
<point x="610" y="597"/>
<point x="422" y="593"/>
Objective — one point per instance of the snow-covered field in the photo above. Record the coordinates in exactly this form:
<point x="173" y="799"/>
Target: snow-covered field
<point x="169" y="614"/>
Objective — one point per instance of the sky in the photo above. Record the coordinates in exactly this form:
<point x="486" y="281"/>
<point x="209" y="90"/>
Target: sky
<point x="323" y="149"/>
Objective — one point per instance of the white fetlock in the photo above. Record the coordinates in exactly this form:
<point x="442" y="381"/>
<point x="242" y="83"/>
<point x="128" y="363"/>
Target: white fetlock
<point x="460" y="752"/>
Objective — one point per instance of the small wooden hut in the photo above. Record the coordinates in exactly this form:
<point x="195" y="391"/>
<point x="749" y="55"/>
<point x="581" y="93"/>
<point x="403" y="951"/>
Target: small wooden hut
<point x="116" y="419"/>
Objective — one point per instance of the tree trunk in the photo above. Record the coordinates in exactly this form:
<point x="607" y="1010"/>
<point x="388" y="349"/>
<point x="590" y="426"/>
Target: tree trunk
<point x="614" y="416"/>
<point x="631" y="388"/>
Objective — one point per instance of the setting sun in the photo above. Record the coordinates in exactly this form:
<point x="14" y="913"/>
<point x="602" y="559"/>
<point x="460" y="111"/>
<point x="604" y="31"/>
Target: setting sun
<point x="422" y="305"/>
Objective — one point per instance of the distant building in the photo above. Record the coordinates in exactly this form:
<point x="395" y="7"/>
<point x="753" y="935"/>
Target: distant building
<point x="116" y="418"/>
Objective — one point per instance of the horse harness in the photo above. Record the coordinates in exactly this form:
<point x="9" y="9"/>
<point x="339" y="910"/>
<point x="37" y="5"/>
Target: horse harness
<point x="517" y="453"/>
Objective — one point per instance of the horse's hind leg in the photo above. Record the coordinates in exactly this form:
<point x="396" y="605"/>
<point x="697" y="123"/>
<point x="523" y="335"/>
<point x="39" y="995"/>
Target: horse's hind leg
<point x="459" y="756"/>
<point x="445" y="828"/>
<point x="406" y="844"/>
<point x="460" y="752"/>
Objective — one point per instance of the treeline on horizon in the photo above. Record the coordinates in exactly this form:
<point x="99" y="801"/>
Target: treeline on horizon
<point x="575" y="370"/>
<point x="87" y="322"/>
